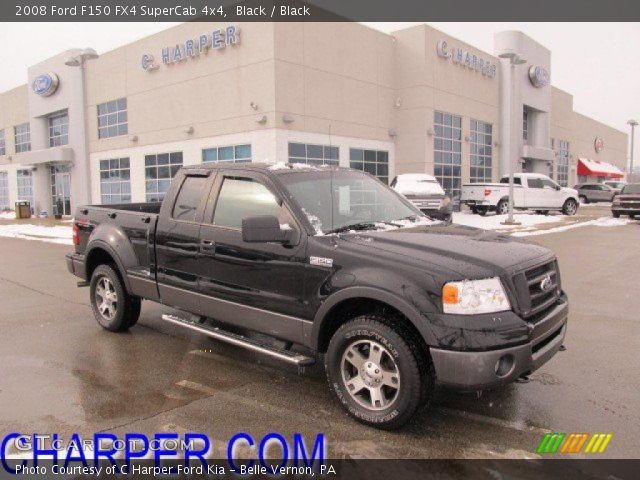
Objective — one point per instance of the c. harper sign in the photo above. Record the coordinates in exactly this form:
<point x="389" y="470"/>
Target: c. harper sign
<point x="467" y="59"/>
<point x="191" y="48"/>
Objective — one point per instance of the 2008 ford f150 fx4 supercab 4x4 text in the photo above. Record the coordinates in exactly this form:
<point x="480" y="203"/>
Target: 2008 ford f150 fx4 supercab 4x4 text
<point x="328" y="261"/>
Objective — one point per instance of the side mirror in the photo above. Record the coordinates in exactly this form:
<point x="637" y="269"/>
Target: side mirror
<point x="558" y="187"/>
<point x="265" y="229"/>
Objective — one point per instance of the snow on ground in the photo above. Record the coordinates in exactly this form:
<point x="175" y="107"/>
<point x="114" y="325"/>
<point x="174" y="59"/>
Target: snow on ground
<point x="494" y="222"/>
<point x="8" y="215"/>
<point x="58" y="234"/>
<point x="598" y="222"/>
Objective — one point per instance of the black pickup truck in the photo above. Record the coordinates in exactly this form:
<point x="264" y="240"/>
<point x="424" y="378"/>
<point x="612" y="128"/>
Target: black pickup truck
<point x="329" y="263"/>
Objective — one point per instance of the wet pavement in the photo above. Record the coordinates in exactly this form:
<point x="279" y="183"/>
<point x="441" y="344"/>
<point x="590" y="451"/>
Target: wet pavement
<point x="60" y="372"/>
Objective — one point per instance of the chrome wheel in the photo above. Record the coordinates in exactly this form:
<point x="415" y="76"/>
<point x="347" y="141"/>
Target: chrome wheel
<point x="503" y="208"/>
<point x="370" y="374"/>
<point x="106" y="298"/>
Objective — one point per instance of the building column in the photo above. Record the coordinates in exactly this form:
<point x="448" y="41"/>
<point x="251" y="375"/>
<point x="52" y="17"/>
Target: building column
<point x="41" y="178"/>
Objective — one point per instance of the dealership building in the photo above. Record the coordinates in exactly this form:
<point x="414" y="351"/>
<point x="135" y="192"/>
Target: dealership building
<point x="116" y="128"/>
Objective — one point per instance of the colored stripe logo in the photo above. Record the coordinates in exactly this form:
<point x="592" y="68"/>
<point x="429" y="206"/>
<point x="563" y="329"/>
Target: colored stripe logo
<point x="574" y="443"/>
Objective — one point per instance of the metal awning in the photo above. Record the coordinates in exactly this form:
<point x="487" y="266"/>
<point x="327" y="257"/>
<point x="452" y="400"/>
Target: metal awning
<point x="596" y="168"/>
<point x="36" y="157"/>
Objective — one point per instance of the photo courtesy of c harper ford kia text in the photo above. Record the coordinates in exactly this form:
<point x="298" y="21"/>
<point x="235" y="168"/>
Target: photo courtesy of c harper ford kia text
<point x="319" y="239"/>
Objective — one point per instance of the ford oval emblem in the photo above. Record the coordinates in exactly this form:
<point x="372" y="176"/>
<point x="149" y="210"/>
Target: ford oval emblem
<point x="45" y="84"/>
<point x="538" y="76"/>
<point x="546" y="283"/>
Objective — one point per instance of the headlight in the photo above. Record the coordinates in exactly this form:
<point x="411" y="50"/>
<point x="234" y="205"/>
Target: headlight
<point x="475" y="296"/>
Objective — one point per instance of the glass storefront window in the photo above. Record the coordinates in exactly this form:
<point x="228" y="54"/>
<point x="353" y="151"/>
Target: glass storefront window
<point x="115" y="181"/>
<point x="22" y="137"/>
<point x="481" y="151"/>
<point x="562" y="154"/>
<point x="58" y="129"/>
<point x="61" y="189"/>
<point x="4" y="191"/>
<point x="25" y="186"/>
<point x="314" y="154"/>
<point x="159" y="169"/>
<point x="375" y="162"/>
<point x="448" y="153"/>
<point x="113" y="118"/>
<point x="231" y="153"/>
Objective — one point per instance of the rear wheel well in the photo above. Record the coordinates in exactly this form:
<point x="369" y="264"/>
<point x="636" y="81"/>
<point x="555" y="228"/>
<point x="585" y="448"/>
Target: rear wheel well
<point x="355" y="307"/>
<point x="97" y="257"/>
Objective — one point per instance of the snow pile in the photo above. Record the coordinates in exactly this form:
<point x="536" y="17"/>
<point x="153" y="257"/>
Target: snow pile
<point x="59" y="234"/>
<point x="599" y="222"/>
<point x="494" y="222"/>
<point x="8" y="215"/>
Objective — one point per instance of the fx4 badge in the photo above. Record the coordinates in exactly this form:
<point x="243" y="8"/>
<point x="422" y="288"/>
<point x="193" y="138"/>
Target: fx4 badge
<point x="321" y="261"/>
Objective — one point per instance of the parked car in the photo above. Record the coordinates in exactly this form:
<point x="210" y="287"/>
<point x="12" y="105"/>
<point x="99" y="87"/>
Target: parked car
<point x="628" y="202"/>
<point x="594" y="192"/>
<point x="336" y="265"/>
<point x="425" y="193"/>
<point x="532" y="191"/>
<point x="616" y="185"/>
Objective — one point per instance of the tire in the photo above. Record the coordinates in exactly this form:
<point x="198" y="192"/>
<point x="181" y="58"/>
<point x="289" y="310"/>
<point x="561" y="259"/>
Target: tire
<point x="482" y="211"/>
<point x="570" y="207"/>
<point x="503" y="207"/>
<point x="407" y="385"/>
<point x="583" y="199"/>
<point x="113" y="308"/>
<point x="473" y="210"/>
<point x="615" y="214"/>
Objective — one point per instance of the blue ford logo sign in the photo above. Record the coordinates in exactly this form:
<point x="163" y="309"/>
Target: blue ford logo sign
<point x="45" y="84"/>
<point x="538" y="76"/>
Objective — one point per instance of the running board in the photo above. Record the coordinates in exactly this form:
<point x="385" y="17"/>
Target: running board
<point x="241" y="341"/>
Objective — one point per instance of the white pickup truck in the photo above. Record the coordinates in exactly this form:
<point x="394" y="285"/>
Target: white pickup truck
<point x="531" y="191"/>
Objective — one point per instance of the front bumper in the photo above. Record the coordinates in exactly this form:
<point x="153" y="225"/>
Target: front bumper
<point x="486" y="369"/>
<point x="76" y="265"/>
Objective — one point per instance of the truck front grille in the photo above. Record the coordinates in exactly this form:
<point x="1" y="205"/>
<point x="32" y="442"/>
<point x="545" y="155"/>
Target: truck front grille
<point x="538" y="289"/>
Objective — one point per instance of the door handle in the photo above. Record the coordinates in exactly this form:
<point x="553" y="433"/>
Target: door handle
<point x="146" y="219"/>
<point x="207" y="245"/>
<point x="113" y="215"/>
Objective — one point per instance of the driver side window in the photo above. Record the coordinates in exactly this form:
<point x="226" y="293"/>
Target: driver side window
<point x="245" y="197"/>
<point x="548" y="184"/>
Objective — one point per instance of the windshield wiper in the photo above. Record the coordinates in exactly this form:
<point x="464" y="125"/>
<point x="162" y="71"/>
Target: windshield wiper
<point x="354" y="226"/>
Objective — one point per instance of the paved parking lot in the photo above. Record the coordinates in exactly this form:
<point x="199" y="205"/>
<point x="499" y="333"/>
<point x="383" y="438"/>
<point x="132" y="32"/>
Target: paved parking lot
<point x="60" y="372"/>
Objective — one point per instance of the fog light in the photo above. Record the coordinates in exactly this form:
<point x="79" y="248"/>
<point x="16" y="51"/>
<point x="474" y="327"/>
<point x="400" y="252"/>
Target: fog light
<point x="504" y="366"/>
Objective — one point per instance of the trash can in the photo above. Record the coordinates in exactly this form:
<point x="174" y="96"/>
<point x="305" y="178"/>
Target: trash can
<point x="23" y="210"/>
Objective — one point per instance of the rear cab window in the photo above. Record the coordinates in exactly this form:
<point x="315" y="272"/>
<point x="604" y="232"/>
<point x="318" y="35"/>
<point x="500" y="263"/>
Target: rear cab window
<point x="516" y="180"/>
<point x="188" y="199"/>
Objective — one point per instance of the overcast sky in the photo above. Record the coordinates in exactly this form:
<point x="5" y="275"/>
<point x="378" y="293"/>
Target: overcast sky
<point x="599" y="63"/>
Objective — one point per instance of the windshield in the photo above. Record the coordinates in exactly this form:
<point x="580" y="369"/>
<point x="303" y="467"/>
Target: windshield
<point x="616" y="184"/>
<point x="635" y="188"/>
<point x="418" y="187"/>
<point x="345" y="199"/>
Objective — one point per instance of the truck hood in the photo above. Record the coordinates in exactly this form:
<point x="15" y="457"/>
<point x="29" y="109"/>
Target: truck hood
<point x="469" y="252"/>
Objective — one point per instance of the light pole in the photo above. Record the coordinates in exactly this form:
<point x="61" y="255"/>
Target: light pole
<point x="79" y="60"/>
<point x="633" y="124"/>
<point x="514" y="59"/>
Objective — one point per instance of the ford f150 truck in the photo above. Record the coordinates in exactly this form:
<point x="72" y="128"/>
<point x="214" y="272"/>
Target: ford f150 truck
<point x="532" y="191"/>
<point x="333" y="264"/>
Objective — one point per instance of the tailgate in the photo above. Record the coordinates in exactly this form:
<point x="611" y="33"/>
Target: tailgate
<point x="474" y="192"/>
